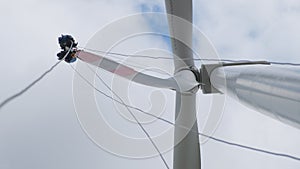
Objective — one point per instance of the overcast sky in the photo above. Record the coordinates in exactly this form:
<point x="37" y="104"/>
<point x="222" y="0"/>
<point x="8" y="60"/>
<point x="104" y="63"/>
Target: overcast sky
<point x="41" y="129"/>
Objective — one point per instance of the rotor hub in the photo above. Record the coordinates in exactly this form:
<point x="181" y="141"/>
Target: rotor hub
<point x="188" y="80"/>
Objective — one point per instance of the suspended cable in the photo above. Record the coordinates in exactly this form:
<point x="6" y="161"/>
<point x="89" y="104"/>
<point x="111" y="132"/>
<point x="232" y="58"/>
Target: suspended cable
<point x="132" y="114"/>
<point x="199" y="133"/>
<point x="285" y="63"/>
<point x="11" y="98"/>
<point x="135" y="65"/>
<point x="28" y="87"/>
<point x="195" y="59"/>
<point x="136" y="119"/>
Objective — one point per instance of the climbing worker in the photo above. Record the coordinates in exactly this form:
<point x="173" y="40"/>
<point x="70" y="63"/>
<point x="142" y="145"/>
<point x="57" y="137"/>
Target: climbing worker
<point x="67" y="44"/>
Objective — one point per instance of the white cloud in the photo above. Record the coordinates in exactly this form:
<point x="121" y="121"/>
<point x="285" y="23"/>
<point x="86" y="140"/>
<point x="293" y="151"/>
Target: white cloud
<point x="251" y="29"/>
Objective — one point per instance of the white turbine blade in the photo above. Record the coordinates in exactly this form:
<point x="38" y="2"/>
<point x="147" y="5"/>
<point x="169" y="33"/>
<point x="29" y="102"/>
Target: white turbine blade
<point x="187" y="151"/>
<point x="181" y="34"/>
<point x="272" y="90"/>
<point x="126" y="72"/>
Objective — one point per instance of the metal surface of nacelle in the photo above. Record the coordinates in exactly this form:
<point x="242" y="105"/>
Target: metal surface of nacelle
<point x="206" y="71"/>
<point x="271" y="90"/>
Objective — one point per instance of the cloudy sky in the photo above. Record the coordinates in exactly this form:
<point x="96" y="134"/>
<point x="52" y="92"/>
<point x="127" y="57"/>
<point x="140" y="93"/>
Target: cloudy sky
<point x="41" y="129"/>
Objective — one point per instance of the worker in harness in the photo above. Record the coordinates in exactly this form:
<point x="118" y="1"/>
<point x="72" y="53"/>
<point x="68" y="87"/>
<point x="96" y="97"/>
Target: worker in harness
<point x="66" y="42"/>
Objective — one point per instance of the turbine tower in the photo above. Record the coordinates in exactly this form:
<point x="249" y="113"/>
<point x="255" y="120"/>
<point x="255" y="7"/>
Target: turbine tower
<point x="187" y="151"/>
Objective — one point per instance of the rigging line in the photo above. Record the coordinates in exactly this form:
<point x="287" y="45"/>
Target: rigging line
<point x="195" y="59"/>
<point x="123" y="103"/>
<point x="285" y="63"/>
<point x="136" y="56"/>
<point x="139" y="66"/>
<point x="132" y="114"/>
<point x="199" y="133"/>
<point x="9" y="99"/>
<point x="126" y="55"/>
<point x="28" y="87"/>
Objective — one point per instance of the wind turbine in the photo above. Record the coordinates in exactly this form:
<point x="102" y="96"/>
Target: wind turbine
<point x="272" y="90"/>
<point x="258" y="84"/>
<point x="185" y="82"/>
